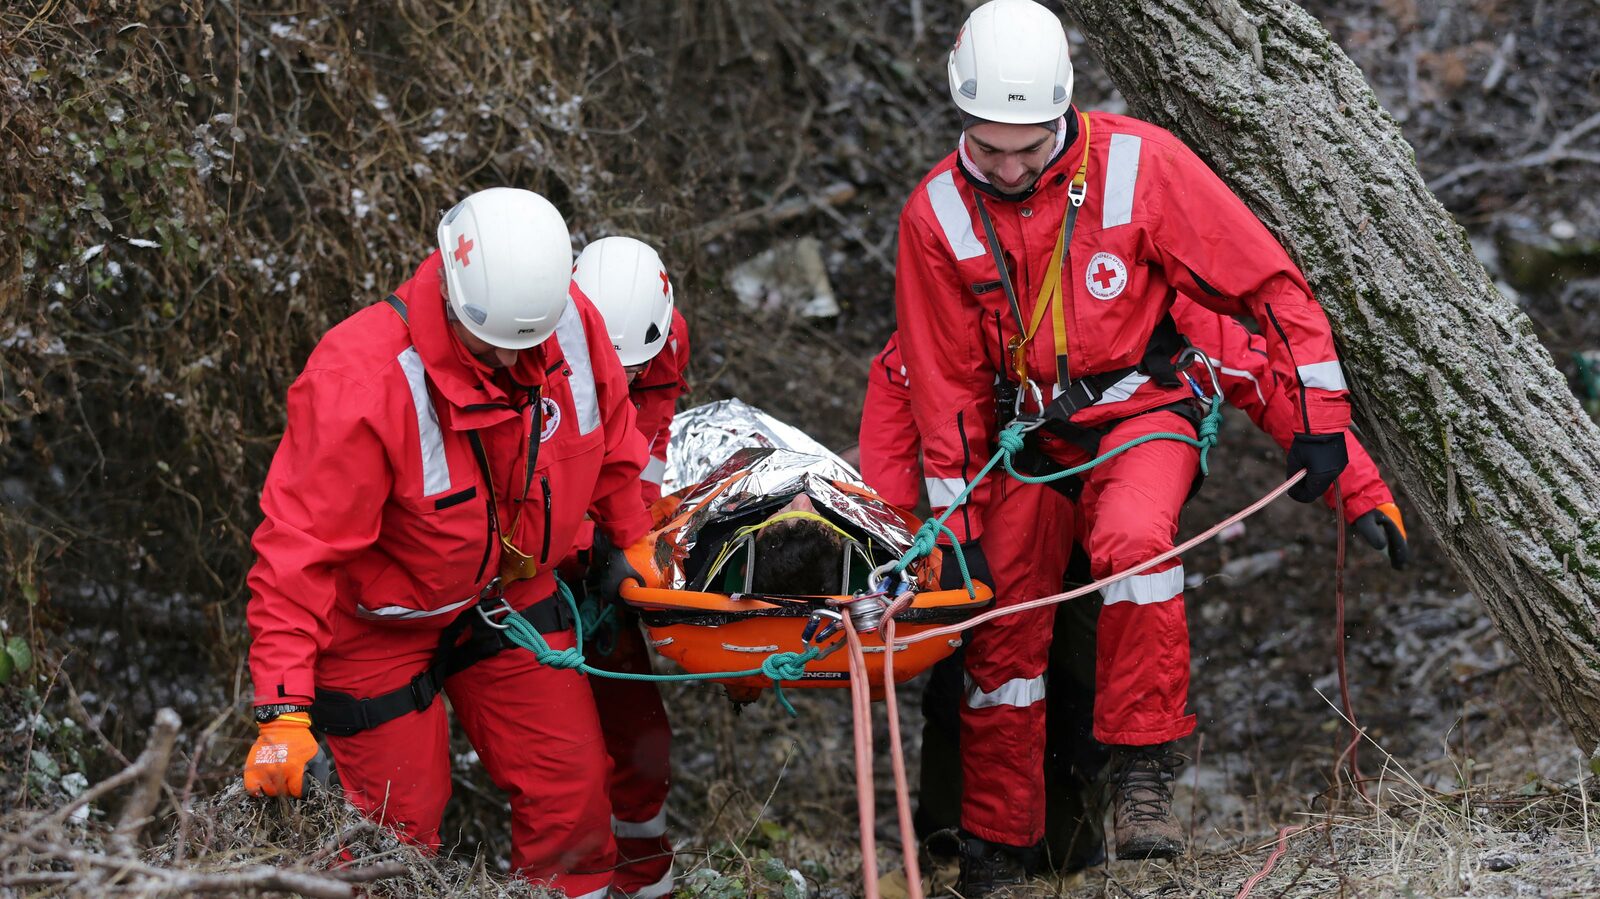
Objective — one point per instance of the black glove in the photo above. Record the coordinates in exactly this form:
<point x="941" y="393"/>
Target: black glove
<point x="977" y="567"/>
<point x="1322" y="456"/>
<point x="617" y="571"/>
<point x="1386" y="531"/>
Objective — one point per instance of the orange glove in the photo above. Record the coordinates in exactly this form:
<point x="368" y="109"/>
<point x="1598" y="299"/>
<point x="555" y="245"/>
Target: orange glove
<point x="1385" y="530"/>
<point x="277" y="763"/>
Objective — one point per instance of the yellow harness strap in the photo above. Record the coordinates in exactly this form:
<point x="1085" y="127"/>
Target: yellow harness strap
<point x="1051" y="295"/>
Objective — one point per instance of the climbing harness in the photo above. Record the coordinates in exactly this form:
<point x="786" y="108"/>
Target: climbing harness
<point x="463" y="643"/>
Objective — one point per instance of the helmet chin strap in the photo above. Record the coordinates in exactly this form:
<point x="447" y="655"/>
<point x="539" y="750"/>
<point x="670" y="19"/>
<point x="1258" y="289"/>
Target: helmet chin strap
<point x="1060" y="128"/>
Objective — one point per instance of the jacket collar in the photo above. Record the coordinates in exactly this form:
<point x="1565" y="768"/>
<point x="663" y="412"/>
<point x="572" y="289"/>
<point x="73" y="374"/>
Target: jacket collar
<point x="1067" y="147"/>
<point x="476" y="393"/>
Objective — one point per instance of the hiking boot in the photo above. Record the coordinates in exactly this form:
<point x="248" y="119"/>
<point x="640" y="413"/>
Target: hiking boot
<point x="1142" y="825"/>
<point x="940" y="860"/>
<point x="993" y="869"/>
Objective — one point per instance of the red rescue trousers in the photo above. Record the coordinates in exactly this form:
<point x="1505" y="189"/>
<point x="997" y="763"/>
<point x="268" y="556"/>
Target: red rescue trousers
<point x="639" y="740"/>
<point x="534" y="727"/>
<point x="1127" y="513"/>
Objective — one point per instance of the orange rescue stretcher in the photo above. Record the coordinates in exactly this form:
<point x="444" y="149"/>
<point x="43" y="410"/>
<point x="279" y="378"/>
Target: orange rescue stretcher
<point x="723" y="626"/>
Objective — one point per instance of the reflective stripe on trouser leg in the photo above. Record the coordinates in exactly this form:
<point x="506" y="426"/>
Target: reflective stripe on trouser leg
<point x="1132" y="503"/>
<point x="661" y="887"/>
<point x="536" y="730"/>
<point x="1026" y="538"/>
<point x="639" y="741"/>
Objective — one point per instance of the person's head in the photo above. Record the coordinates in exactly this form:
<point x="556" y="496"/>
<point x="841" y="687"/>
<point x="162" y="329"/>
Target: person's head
<point x="627" y="282"/>
<point x="507" y="268"/>
<point x="1010" y="75"/>
<point x="799" y="555"/>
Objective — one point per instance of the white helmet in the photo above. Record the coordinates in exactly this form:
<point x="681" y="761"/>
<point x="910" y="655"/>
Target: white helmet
<point x="1010" y="64"/>
<point x="626" y="281"/>
<point x="508" y="264"/>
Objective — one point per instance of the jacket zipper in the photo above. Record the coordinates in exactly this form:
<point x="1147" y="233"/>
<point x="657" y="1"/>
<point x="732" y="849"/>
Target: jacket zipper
<point x="488" y="531"/>
<point x="544" y="547"/>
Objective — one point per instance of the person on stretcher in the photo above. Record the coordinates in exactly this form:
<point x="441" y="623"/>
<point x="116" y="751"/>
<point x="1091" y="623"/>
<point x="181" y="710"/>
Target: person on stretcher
<point x="769" y="548"/>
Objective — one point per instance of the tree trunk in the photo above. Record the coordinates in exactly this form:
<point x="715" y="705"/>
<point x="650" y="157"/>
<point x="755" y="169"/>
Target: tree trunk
<point x="1466" y="405"/>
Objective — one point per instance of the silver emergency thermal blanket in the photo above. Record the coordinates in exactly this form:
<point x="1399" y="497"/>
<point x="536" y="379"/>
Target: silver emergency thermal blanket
<point x="719" y="441"/>
<point x="705" y="436"/>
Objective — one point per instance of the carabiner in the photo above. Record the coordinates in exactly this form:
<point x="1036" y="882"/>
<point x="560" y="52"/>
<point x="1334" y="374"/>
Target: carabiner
<point x="1188" y="357"/>
<point x="488" y="613"/>
<point x="810" y="636"/>
<point x="1032" y="388"/>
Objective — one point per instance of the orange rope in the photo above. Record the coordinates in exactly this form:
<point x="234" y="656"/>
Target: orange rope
<point x="1350" y="748"/>
<point x="1277" y="853"/>
<point x="1043" y="601"/>
<point x="866" y="799"/>
<point x="861" y="703"/>
<point x="897" y="760"/>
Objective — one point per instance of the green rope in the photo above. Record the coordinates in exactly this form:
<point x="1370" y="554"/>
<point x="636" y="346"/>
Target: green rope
<point x="791" y="666"/>
<point x="1011" y="440"/>
<point x="778" y="667"/>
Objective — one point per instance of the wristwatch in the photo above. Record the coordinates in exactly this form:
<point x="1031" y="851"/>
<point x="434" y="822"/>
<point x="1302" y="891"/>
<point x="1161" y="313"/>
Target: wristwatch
<point x="265" y="713"/>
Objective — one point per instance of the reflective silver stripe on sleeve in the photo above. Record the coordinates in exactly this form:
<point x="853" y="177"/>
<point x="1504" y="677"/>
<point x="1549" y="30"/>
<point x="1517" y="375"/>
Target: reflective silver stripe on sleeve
<point x="1145" y="589"/>
<point x="953" y="216"/>
<point x="654" y="471"/>
<point x="1122" y="173"/>
<point x="1019" y="692"/>
<point x="601" y="893"/>
<point x="1323" y="375"/>
<point x="435" y="470"/>
<point x="641" y="830"/>
<point x="406" y="613"/>
<point x="575" y="346"/>
<point x="943" y="491"/>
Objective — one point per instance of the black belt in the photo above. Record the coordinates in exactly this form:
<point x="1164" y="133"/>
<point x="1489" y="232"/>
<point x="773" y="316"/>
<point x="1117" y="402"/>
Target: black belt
<point x="342" y="715"/>
<point x="1033" y="462"/>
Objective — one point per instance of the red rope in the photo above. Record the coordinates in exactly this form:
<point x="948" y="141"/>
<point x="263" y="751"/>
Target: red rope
<point x="897" y="759"/>
<point x="861" y="700"/>
<point x="1352" y="747"/>
<point x="1191" y="543"/>
<point x="1277" y="853"/>
<point x="866" y="799"/>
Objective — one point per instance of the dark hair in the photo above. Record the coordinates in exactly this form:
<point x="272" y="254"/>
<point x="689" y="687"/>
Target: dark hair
<point x="798" y="556"/>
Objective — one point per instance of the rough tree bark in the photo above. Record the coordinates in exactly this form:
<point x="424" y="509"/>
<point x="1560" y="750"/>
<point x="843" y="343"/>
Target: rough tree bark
<point x="1466" y="405"/>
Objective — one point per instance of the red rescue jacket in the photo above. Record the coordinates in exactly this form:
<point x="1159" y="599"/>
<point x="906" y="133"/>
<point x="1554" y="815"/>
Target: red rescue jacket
<point x="655" y="398"/>
<point x="376" y="503"/>
<point x="1240" y="359"/>
<point x="1156" y="221"/>
<point x="891" y="448"/>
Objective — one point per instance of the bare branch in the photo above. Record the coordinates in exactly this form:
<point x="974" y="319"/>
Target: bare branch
<point x="152" y="770"/>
